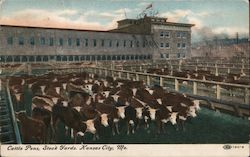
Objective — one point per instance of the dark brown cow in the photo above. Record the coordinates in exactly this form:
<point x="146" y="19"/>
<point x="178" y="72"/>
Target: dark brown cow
<point x="31" y="128"/>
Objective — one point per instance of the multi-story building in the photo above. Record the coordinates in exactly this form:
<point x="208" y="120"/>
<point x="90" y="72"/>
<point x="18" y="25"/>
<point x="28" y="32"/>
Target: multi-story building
<point x="134" y="39"/>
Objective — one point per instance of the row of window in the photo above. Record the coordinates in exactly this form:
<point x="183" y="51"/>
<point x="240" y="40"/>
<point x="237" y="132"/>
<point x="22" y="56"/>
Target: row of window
<point x="77" y="42"/>
<point x="179" y="45"/>
<point x="178" y="55"/>
<point x="46" y="58"/>
<point x="166" y="34"/>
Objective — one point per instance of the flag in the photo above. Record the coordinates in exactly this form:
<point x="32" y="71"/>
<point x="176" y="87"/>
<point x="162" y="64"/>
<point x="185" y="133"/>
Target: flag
<point x="149" y="6"/>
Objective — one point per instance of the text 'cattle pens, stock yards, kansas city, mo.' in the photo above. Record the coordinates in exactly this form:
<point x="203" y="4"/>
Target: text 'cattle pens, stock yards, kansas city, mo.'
<point x="123" y="72"/>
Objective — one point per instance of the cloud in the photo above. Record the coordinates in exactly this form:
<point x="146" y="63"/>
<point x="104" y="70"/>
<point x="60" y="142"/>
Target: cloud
<point x="45" y="18"/>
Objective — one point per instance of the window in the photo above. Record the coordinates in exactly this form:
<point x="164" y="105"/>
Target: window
<point x="10" y="40"/>
<point x="77" y="42"/>
<point x="69" y="41"/>
<point x="124" y="43"/>
<point x="137" y="43"/>
<point x="178" y="34"/>
<point x="86" y="42"/>
<point x="131" y="43"/>
<point x="102" y="43"/>
<point x="61" y="41"/>
<point x="178" y="55"/>
<point x="161" y="45"/>
<point x="184" y="34"/>
<point x="143" y="44"/>
<point x="51" y="41"/>
<point x="21" y="41"/>
<point x="42" y="40"/>
<point x="162" y="34"/>
<point x="94" y="42"/>
<point x="32" y="41"/>
<point x="167" y="55"/>
<point x="117" y="43"/>
<point x="184" y="55"/>
<point x="167" y="34"/>
<point x="179" y="45"/>
<point x="183" y="45"/>
<point x="162" y="56"/>
<point x="110" y="43"/>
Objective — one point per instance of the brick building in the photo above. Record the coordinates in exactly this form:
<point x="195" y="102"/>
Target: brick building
<point x="134" y="39"/>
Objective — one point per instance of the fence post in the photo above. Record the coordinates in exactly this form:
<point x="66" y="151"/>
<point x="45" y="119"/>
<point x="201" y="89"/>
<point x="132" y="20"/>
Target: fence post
<point x="216" y="70"/>
<point x="218" y="94"/>
<point x="176" y="85"/>
<point x="140" y="68"/>
<point x="119" y="75"/>
<point x="228" y="70"/>
<point x="136" y="77"/>
<point x="246" y="96"/>
<point x="112" y="73"/>
<point x="161" y="81"/>
<point x="195" y="88"/>
<point x="148" y="80"/>
<point x="128" y="76"/>
<point x="106" y="72"/>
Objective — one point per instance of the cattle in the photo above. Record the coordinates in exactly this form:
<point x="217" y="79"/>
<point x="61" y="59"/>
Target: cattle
<point x="31" y="128"/>
<point x="72" y="119"/>
<point x="86" y="103"/>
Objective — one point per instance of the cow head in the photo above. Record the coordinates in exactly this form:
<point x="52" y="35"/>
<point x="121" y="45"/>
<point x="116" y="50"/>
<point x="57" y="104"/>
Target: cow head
<point x="121" y="111"/>
<point x="55" y="100"/>
<point x="139" y="112"/>
<point x="64" y="86"/>
<point x="105" y="93"/>
<point x="58" y="90"/>
<point x="20" y="115"/>
<point x="104" y="119"/>
<point x="89" y="87"/>
<point x="191" y="111"/>
<point x="90" y="126"/>
<point x="173" y="117"/>
<point x="197" y="104"/>
<point x="152" y="112"/>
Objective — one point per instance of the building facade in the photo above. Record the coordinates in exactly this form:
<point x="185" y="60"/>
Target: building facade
<point x="134" y="39"/>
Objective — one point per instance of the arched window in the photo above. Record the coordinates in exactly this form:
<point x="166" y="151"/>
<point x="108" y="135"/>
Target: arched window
<point x="76" y="58"/>
<point x="24" y="59"/>
<point x="71" y="58"/>
<point x="45" y="58"/>
<point x="31" y="59"/>
<point x="113" y="57"/>
<point x="2" y="59"/>
<point x="108" y="57"/>
<point x="58" y="58"/>
<point x="17" y="59"/>
<point x="82" y="58"/>
<point x="87" y="57"/>
<point x="9" y="59"/>
<point x="64" y="58"/>
<point x="103" y="57"/>
<point x="38" y="58"/>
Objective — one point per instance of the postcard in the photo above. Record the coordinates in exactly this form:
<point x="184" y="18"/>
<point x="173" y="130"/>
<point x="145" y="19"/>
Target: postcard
<point x="124" y="78"/>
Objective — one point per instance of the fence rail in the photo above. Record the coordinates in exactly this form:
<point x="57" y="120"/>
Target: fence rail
<point x="13" y="117"/>
<point x="162" y="78"/>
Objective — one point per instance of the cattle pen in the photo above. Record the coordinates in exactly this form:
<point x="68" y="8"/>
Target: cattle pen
<point x="225" y="107"/>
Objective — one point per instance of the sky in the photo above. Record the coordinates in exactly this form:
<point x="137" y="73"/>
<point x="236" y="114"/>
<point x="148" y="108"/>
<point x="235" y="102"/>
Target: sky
<point x="212" y="18"/>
